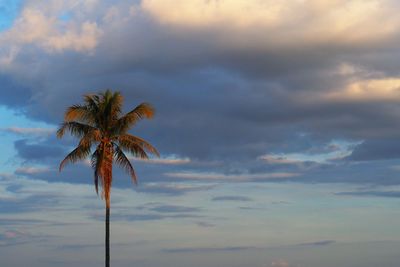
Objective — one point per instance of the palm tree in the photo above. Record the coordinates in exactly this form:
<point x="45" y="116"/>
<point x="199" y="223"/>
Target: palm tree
<point x="99" y="123"/>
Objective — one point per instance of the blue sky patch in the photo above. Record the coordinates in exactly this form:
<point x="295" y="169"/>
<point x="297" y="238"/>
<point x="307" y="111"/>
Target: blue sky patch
<point x="8" y="12"/>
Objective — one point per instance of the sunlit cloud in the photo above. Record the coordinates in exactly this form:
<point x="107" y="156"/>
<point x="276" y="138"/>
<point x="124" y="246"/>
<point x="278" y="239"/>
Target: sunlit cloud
<point x="43" y="26"/>
<point x="386" y="89"/>
<point x="304" y="20"/>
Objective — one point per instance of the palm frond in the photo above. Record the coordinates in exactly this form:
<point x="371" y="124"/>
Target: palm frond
<point x="111" y="105"/>
<point x="95" y="162"/>
<point x="129" y="139"/>
<point x="82" y="113"/>
<point x="76" y="129"/>
<point x="144" y="110"/>
<point x="122" y="160"/>
<point x="133" y="148"/>
<point x="79" y="153"/>
<point x="92" y="103"/>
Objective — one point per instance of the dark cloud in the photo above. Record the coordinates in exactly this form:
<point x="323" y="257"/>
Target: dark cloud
<point x="205" y="224"/>
<point x="389" y="194"/>
<point x="241" y="248"/>
<point x="207" y="249"/>
<point x="18" y="94"/>
<point x="171" y="189"/>
<point x="37" y="151"/>
<point x="317" y="244"/>
<point x="154" y="212"/>
<point x="376" y="149"/>
<point x="174" y="209"/>
<point x="21" y="222"/>
<point x="38" y="202"/>
<point x="148" y="217"/>
<point x="15" y="237"/>
<point x="89" y="246"/>
<point x="232" y="198"/>
<point x="217" y="99"/>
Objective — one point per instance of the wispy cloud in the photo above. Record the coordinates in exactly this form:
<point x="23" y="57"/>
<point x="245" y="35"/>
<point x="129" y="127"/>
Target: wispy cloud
<point x="230" y="177"/>
<point x="169" y="160"/>
<point x="29" y="131"/>
<point x="389" y="194"/>
<point x="317" y="243"/>
<point x="232" y="198"/>
<point x="172" y="189"/>
<point x="208" y="249"/>
<point x="31" y="170"/>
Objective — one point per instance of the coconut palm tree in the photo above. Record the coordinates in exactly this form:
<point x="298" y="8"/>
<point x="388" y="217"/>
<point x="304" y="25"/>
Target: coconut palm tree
<point x="100" y="124"/>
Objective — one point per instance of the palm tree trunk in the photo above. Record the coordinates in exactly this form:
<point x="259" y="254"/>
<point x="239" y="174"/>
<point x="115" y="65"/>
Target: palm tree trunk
<point x="107" y="236"/>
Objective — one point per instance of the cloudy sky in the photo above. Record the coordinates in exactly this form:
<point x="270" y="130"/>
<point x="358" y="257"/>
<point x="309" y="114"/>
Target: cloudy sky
<point x="277" y="124"/>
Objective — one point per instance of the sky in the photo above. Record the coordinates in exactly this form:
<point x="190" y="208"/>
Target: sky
<point x="276" y="121"/>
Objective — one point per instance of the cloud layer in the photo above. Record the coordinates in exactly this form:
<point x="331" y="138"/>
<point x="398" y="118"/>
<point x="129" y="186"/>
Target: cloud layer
<point x="302" y="91"/>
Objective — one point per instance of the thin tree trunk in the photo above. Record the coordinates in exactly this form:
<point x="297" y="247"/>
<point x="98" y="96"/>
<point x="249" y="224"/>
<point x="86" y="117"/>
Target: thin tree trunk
<point x="107" y="236"/>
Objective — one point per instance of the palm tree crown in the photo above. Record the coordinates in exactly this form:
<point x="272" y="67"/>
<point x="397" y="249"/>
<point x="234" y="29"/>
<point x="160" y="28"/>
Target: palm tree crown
<point x="99" y="123"/>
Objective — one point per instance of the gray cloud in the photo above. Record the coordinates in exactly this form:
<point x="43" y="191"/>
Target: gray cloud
<point x="317" y="244"/>
<point x="376" y="149"/>
<point x="207" y="249"/>
<point x="218" y="99"/>
<point x="174" y="209"/>
<point x="241" y="248"/>
<point x="171" y="189"/>
<point x="390" y="194"/>
<point x="148" y="217"/>
<point x="37" y="151"/>
<point x="232" y="198"/>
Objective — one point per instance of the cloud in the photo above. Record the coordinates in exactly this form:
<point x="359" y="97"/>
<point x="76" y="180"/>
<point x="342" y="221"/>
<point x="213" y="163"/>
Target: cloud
<point x="205" y="224"/>
<point x="313" y="20"/>
<point x="318" y="243"/>
<point x="375" y="149"/>
<point x="14" y="237"/>
<point x="171" y="160"/>
<point x="208" y="249"/>
<point x="174" y="209"/>
<point x="148" y="217"/>
<point x="37" y="151"/>
<point x="386" y="89"/>
<point x="29" y="131"/>
<point x="232" y="198"/>
<point x="171" y="189"/>
<point x="230" y="177"/>
<point x="31" y="170"/>
<point x="389" y="194"/>
<point x="225" y="95"/>
<point x="39" y="25"/>
<point x="279" y="263"/>
<point x="274" y="159"/>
